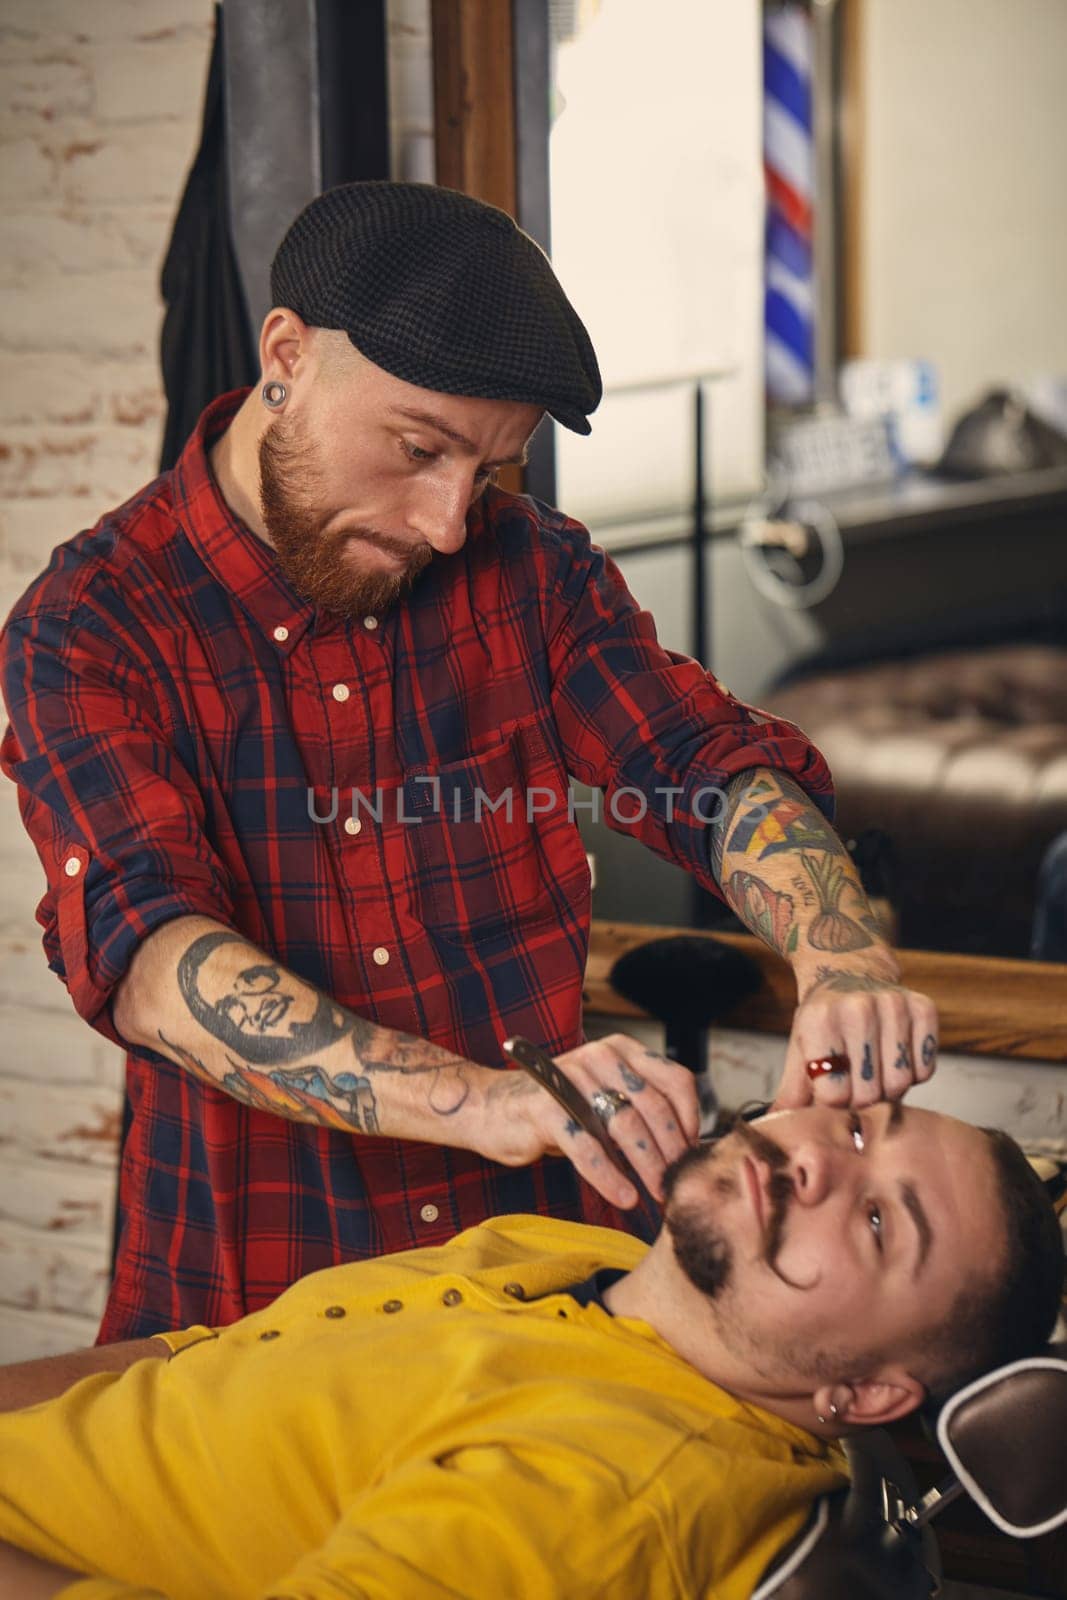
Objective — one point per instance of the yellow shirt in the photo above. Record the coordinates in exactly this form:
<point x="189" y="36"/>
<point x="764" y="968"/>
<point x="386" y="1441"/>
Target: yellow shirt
<point x="412" y="1427"/>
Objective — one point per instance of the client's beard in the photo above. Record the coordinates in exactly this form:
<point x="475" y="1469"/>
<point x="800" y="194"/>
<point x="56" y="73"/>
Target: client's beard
<point x="310" y="559"/>
<point x="704" y="1255"/>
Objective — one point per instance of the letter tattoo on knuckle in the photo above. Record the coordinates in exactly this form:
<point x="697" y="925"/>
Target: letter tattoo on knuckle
<point x="903" y="1061"/>
<point x="867" y="1069"/>
<point x="929" y="1050"/>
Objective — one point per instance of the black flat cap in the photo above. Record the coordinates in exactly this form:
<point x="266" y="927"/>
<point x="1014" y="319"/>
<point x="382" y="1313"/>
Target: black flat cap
<point x="442" y="291"/>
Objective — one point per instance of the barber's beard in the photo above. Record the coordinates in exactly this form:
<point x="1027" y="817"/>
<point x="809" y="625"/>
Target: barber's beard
<point x="317" y="563"/>
<point x="702" y="1250"/>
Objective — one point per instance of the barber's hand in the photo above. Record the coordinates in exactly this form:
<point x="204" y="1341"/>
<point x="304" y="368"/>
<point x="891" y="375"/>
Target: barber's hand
<point x="661" y="1120"/>
<point x="887" y="1033"/>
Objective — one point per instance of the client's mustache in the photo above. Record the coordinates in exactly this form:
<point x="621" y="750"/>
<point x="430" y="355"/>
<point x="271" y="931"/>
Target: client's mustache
<point x="780" y="1191"/>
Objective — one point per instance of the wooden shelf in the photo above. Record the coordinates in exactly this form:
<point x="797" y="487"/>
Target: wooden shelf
<point x="987" y="1006"/>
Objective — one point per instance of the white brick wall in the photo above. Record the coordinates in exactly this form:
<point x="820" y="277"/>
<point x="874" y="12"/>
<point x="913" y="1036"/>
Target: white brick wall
<point x="99" y="119"/>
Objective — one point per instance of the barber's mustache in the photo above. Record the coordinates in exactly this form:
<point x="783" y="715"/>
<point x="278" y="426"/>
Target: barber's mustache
<point x="416" y="555"/>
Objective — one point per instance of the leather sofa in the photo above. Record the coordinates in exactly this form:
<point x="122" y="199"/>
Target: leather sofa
<point x="961" y="758"/>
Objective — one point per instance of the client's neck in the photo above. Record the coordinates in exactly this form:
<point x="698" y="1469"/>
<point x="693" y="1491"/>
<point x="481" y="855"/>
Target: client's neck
<point x="658" y="1293"/>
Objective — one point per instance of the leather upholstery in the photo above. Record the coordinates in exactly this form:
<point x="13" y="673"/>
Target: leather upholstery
<point x="1008" y="1434"/>
<point x="858" y="1557"/>
<point x="962" y="758"/>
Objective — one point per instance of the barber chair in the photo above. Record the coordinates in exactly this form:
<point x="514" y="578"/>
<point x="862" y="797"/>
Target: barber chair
<point x="961" y="758"/>
<point x="1005" y="1439"/>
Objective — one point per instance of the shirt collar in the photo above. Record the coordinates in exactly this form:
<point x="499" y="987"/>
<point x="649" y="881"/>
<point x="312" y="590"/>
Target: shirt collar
<point x="242" y="563"/>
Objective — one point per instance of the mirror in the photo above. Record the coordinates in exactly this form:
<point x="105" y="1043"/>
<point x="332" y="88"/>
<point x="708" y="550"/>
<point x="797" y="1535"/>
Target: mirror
<point x="931" y="667"/>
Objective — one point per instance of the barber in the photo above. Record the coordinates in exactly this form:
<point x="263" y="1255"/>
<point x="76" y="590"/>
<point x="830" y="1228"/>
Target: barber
<point x="266" y="718"/>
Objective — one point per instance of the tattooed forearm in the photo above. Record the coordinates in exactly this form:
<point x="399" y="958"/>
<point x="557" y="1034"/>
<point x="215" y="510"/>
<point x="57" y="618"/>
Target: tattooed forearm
<point x="787" y="874"/>
<point x="765" y="814"/>
<point x="188" y="1060"/>
<point x="343" y="1100"/>
<point x="845" y="982"/>
<point x="237" y="1020"/>
<point x="830" y="928"/>
<point x="247" y="1016"/>
<point x="768" y="912"/>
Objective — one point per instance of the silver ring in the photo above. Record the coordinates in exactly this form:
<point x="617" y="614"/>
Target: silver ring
<point x="605" y="1102"/>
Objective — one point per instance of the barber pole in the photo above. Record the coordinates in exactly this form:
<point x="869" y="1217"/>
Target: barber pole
<point x="789" y="167"/>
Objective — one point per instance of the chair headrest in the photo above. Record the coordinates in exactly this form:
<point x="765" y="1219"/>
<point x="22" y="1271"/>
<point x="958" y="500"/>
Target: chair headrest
<point x="1005" y="1436"/>
<point x="847" y="1551"/>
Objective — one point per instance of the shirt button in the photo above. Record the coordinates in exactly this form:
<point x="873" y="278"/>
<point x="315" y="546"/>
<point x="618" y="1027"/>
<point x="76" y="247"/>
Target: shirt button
<point x="340" y="691"/>
<point x="334" y="1311"/>
<point x="451" y="1297"/>
<point x="281" y="634"/>
<point x="72" y="866"/>
<point x="429" y="1213"/>
<point x="370" y="622"/>
<point x="381" y="956"/>
<point x="515" y="1290"/>
<point x="271" y="1333"/>
<point x="393" y="1305"/>
<point x="352" y="825"/>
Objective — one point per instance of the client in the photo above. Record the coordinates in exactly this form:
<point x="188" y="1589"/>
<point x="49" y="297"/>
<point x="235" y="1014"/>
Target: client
<point x="542" y="1408"/>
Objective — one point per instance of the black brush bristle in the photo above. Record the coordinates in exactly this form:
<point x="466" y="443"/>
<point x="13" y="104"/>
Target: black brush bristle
<point x="684" y="979"/>
<point x="687" y="984"/>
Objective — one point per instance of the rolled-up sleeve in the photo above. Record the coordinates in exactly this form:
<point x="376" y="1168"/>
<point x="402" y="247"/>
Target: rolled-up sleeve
<point x="651" y="728"/>
<point x="116" y="819"/>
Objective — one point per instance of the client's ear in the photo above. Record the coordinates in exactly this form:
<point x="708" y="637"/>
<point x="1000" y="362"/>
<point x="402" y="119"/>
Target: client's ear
<point x="871" y="1402"/>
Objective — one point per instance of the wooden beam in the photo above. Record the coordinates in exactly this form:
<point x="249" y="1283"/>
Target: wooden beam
<point x="988" y="1006"/>
<point x="474" y="99"/>
<point x="474" y="113"/>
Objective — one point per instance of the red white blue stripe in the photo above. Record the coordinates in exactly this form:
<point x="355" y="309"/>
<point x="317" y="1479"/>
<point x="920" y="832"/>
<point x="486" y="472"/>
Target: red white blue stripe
<point x="789" y="167"/>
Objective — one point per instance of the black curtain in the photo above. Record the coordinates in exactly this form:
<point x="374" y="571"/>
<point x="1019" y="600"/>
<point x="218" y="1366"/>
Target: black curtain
<point x="207" y="345"/>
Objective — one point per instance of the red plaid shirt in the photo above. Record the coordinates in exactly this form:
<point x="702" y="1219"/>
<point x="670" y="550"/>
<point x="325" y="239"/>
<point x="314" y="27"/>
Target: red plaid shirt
<point x="180" y="718"/>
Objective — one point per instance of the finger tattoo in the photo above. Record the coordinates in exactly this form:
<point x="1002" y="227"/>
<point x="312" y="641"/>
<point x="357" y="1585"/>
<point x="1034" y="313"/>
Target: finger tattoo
<point x="903" y="1060"/>
<point x="867" y="1069"/>
<point x="929" y="1049"/>
<point x="571" y="1127"/>
<point x="631" y="1080"/>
